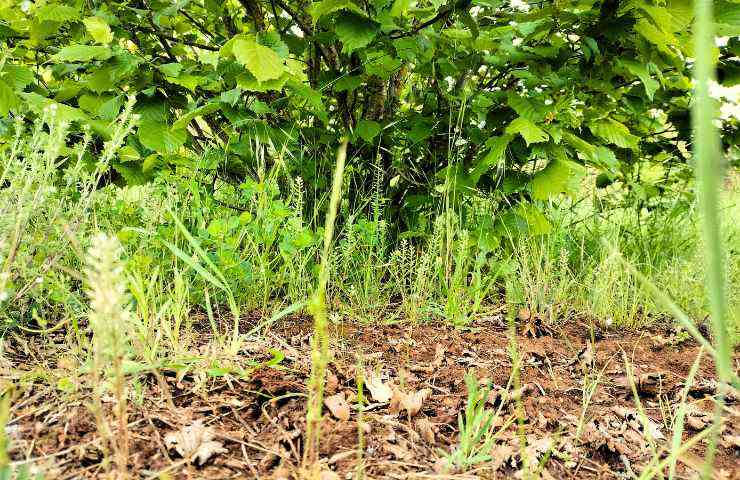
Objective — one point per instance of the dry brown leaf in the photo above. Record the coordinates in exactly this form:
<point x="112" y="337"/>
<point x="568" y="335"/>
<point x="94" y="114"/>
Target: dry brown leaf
<point x="328" y="475"/>
<point x="381" y="392"/>
<point x="195" y="442"/>
<point x="412" y="402"/>
<point x="425" y="430"/>
<point x="338" y="406"/>
<point x="501" y="454"/>
<point x="395" y="405"/>
<point x="439" y="355"/>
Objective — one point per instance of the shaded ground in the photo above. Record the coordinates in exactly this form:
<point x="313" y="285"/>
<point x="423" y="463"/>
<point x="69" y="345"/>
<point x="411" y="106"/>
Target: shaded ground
<point x="580" y="417"/>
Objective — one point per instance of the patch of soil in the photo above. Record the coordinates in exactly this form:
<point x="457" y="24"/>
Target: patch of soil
<point x="570" y="413"/>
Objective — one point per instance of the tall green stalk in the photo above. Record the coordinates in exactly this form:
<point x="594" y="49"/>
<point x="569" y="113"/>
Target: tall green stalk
<point x="709" y="173"/>
<point x="317" y="307"/>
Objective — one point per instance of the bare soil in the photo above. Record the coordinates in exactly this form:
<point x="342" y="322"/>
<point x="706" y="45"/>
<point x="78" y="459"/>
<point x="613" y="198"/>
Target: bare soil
<point x="252" y="425"/>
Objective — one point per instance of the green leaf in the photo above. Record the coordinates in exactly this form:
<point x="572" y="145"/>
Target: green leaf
<point x="128" y="153"/>
<point x="171" y="69"/>
<point x="98" y="29"/>
<point x="368" y="129"/>
<point x="528" y="130"/>
<point x="535" y="219"/>
<point x="327" y="7"/>
<point x="559" y="176"/>
<point x="640" y="71"/>
<point x="355" y="31"/>
<point x="160" y="137"/>
<point x="496" y="154"/>
<point x="58" y="13"/>
<point x="247" y="81"/>
<point x="261" y="61"/>
<point x="8" y="99"/>
<point x="17" y="76"/>
<point x="347" y="83"/>
<point x="400" y="7"/>
<point x="184" y="120"/>
<point x="82" y="53"/>
<point x="615" y="133"/>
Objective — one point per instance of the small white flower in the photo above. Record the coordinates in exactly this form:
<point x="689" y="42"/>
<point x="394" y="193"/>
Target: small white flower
<point x="517" y="41"/>
<point x="573" y="38"/>
<point x="729" y="111"/>
<point x="548" y="101"/>
<point x="520" y="5"/>
<point x="26" y="6"/>
<point x="721" y="41"/>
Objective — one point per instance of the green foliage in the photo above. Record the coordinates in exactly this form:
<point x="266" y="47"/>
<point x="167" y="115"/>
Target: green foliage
<point x="589" y="83"/>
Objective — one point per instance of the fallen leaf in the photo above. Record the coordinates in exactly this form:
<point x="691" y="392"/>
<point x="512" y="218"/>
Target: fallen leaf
<point x="328" y="475"/>
<point x="380" y="391"/>
<point x="195" y="442"/>
<point x="413" y="402"/>
<point x="338" y="406"/>
<point x="439" y="355"/>
<point x="500" y="455"/>
<point x="424" y="429"/>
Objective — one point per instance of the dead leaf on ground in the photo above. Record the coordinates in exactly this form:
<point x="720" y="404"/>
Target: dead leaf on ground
<point x="412" y="402"/>
<point x="195" y="442"/>
<point x="338" y="406"/>
<point x="381" y="392"/>
<point x="425" y="430"/>
<point x="329" y="475"/>
<point x="501" y="455"/>
<point x="439" y="355"/>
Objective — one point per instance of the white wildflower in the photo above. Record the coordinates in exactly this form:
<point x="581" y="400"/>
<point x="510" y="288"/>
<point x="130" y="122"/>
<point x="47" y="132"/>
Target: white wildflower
<point x="520" y="5"/>
<point x="516" y="41"/>
<point x="721" y="41"/>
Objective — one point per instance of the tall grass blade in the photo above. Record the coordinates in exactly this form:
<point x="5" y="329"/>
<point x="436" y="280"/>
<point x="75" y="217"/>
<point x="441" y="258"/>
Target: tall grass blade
<point x="317" y="306"/>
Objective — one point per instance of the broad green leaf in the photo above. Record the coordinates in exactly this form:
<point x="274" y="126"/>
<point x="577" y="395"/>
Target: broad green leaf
<point x="525" y="107"/>
<point x="38" y="103"/>
<point x="184" y="120"/>
<point x="496" y="154"/>
<point x="248" y="82"/>
<point x="128" y="153"/>
<point x="528" y="130"/>
<point x="400" y="7"/>
<point x="261" y="61"/>
<point x="82" y="53"/>
<point x="160" y="137"/>
<point x="615" y="133"/>
<point x="368" y="129"/>
<point x="327" y="7"/>
<point x="18" y="76"/>
<point x="654" y="35"/>
<point x="559" y="176"/>
<point x="57" y="13"/>
<point x="535" y="219"/>
<point x="171" y="69"/>
<point x="191" y="82"/>
<point x="355" y="31"/>
<point x="347" y="83"/>
<point x="640" y="71"/>
<point x="381" y="64"/>
<point x="8" y="99"/>
<point x="98" y="29"/>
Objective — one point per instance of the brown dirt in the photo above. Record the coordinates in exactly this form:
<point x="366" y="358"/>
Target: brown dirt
<point x="258" y="418"/>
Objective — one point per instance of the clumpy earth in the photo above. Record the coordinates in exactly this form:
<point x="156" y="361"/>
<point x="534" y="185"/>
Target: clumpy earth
<point x="570" y="413"/>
